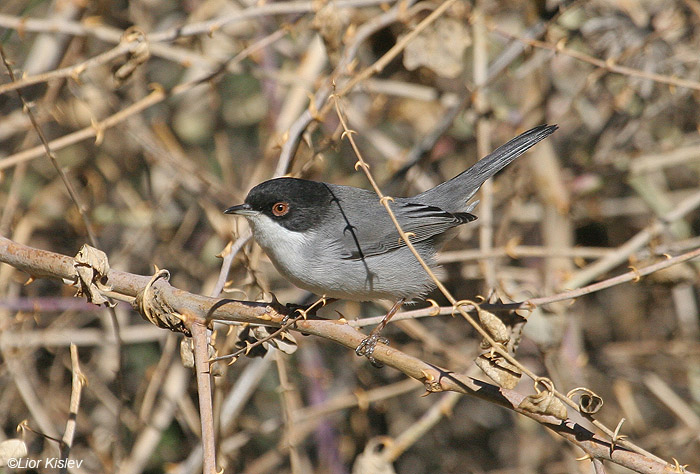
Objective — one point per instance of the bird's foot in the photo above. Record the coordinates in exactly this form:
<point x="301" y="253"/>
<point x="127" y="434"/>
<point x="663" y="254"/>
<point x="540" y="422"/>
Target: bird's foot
<point x="366" y="348"/>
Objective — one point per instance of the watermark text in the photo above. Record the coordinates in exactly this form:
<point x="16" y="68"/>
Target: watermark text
<point x="45" y="463"/>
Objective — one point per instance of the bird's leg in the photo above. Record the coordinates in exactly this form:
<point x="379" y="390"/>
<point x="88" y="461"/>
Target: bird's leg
<point x="366" y="347"/>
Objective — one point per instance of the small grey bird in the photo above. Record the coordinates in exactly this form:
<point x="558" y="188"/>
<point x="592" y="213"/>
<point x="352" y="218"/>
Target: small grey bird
<point x="339" y="241"/>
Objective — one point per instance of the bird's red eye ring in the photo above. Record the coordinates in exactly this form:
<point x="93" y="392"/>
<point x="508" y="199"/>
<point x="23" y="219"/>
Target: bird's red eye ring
<point x="280" y="208"/>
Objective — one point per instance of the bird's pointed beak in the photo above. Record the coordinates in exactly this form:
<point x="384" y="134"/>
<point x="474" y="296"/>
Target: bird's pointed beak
<point x="242" y="210"/>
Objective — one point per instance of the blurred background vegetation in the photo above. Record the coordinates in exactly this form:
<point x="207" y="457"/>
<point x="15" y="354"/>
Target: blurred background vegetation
<point x="621" y="79"/>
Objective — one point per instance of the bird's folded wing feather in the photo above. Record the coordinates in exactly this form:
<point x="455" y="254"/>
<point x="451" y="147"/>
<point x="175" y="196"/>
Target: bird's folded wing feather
<point x="421" y="221"/>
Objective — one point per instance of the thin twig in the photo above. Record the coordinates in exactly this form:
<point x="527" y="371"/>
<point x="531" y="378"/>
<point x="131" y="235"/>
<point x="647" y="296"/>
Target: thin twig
<point x="483" y="144"/>
<point x="78" y="381"/>
<point x="206" y="407"/>
<point x="607" y="65"/>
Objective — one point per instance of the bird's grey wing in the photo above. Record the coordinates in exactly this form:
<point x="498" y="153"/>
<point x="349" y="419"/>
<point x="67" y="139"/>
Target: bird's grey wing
<point x="422" y="221"/>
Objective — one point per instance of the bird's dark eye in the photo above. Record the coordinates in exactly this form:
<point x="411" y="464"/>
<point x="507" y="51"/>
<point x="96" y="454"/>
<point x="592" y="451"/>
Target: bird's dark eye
<point x="280" y="208"/>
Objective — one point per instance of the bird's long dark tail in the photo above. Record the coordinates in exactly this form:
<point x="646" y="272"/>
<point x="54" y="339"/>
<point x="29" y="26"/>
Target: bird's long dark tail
<point x="452" y="195"/>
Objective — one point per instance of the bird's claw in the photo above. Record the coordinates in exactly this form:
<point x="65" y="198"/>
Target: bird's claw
<point x="366" y="348"/>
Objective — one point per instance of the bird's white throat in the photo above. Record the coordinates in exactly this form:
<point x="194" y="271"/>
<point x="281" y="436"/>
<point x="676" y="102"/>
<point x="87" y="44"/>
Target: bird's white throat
<point x="286" y="248"/>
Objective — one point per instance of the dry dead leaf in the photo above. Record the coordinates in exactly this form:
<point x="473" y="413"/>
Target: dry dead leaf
<point x="499" y="370"/>
<point x="92" y="267"/>
<point x="495" y="327"/>
<point x="544" y="403"/>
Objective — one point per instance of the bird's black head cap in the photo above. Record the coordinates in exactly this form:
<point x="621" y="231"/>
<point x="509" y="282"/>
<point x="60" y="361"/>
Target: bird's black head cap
<point x="297" y="204"/>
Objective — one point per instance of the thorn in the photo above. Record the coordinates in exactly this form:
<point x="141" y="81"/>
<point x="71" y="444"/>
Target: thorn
<point x="156" y="87"/>
<point x="510" y="248"/>
<point x="435" y="307"/>
<point x="678" y="467"/>
<point x="347" y="133"/>
<point x="362" y="399"/>
<point x="547" y="383"/>
<point x="99" y="131"/>
<point x="313" y="110"/>
<point x="617" y="436"/>
<point x="76" y="72"/>
<point x="22" y="426"/>
<point x="460" y="303"/>
<point x="637" y="275"/>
